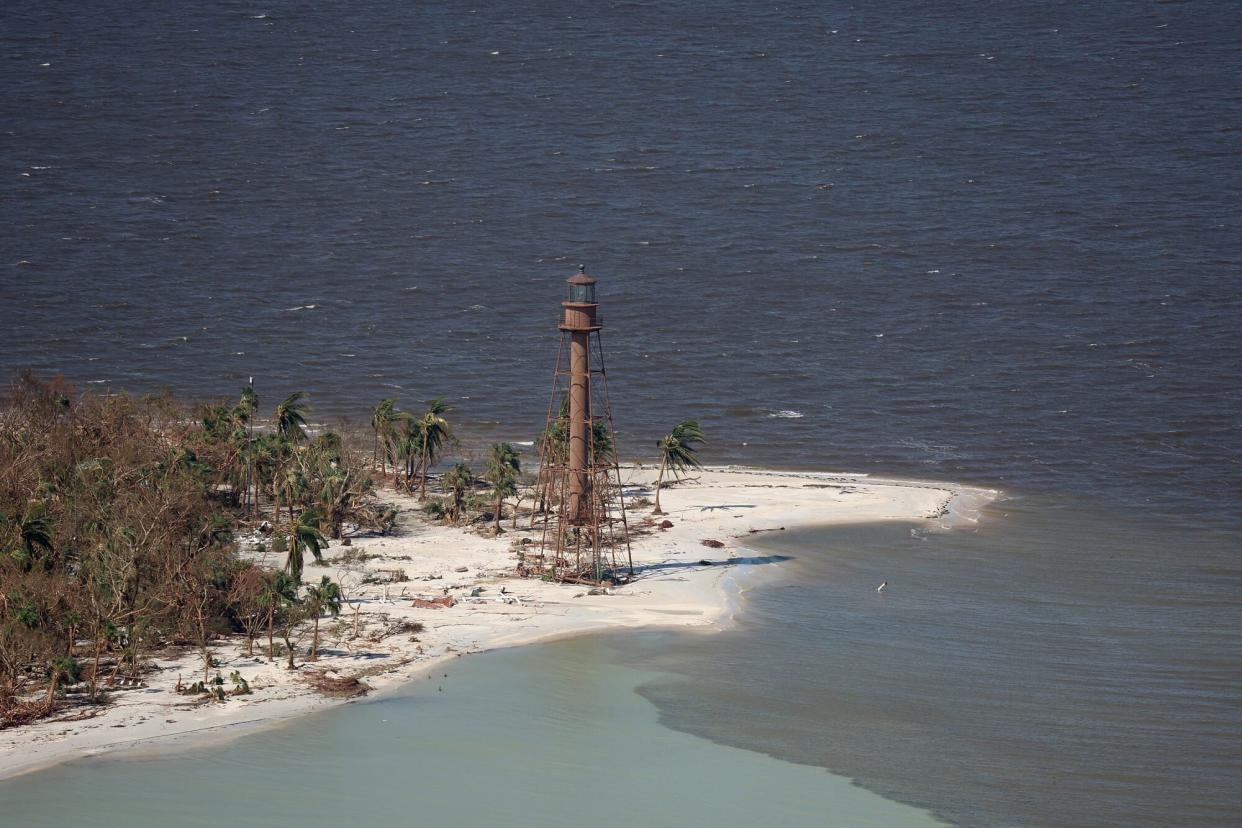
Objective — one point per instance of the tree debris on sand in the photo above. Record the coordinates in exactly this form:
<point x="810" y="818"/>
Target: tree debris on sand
<point x="434" y="603"/>
<point x="335" y="686"/>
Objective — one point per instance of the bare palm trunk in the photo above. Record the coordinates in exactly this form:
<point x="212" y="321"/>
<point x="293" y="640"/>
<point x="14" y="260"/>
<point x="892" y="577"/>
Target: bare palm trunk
<point x="422" y="494"/>
<point x="271" y="613"/>
<point x="250" y="481"/>
<point x="659" y="483"/>
<point x="95" y="669"/>
<point x="314" y="656"/>
<point x="202" y="643"/>
<point x="284" y="633"/>
<point x="276" y="494"/>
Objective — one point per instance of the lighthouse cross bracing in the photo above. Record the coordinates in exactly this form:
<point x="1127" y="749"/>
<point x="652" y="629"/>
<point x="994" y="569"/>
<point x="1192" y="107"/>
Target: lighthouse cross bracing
<point x="578" y="492"/>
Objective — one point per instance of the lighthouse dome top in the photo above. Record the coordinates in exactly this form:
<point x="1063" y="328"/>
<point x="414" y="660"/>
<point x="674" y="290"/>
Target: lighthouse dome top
<point x="582" y="288"/>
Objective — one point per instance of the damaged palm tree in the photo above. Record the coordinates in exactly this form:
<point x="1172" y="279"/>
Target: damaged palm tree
<point x="578" y="494"/>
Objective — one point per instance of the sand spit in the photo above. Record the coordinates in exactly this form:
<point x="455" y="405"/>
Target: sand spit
<point x="491" y="608"/>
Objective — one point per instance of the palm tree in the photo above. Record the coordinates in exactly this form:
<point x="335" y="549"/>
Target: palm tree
<point x="248" y="405"/>
<point x="503" y="468"/>
<point x="279" y="589"/>
<point x="677" y="452"/>
<point x="321" y="598"/>
<point x="249" y="402"/>
<point x="62" y="667"/>
<point x="304" y="535"/>
<point x="34" y="531"/>
<point x="381" y="423"/>
<point x="397" y="444"/>
<point x="554" y="440"/>
<point x="456" y="482"/>
<point x="296" y="487"/>
<point x="406" y="448"/>
<point x="433" y="430"/>
<point x="290" y="419"/>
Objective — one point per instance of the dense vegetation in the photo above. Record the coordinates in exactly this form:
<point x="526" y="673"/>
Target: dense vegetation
<point x="119" y="519"/>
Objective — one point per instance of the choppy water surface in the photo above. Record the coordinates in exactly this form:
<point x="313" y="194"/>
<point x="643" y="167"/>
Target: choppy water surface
<point x="998" y="242"/>
<point x="994" y="243"/>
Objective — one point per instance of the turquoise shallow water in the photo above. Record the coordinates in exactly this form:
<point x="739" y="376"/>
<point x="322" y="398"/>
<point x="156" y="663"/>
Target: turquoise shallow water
<point x="551" y="735"/>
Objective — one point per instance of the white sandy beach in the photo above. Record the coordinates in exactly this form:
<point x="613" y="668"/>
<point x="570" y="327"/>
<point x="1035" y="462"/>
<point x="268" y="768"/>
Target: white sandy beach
<point x="673" y="588"/>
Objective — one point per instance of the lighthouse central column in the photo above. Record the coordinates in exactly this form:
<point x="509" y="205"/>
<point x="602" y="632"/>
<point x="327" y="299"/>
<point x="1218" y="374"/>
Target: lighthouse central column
<point x="579" y="426"/>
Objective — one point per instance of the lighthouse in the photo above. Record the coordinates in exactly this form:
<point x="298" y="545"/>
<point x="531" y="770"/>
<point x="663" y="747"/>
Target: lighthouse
<point x="580" y="319"/>
<point x="580" y="502"/>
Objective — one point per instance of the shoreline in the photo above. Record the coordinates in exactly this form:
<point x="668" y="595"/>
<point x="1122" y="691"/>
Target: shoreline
<point x="496" y="609"/>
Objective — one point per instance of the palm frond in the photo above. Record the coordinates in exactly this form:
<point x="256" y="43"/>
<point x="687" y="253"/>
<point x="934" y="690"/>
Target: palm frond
<point x="678" y="447"/>
<point x="290" y="417"/>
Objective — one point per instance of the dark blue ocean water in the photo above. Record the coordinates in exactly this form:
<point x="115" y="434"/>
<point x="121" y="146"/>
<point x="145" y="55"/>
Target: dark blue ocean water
<point x="991" y="242"/>
<point x="998" y="242"/>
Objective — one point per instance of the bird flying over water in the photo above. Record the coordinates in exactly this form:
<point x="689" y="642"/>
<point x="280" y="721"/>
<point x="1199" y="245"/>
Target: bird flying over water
<point x="880" y="588"/>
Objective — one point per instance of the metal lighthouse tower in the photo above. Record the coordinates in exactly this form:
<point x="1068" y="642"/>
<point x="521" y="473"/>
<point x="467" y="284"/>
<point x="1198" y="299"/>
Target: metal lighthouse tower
<point x="578" y="494"/>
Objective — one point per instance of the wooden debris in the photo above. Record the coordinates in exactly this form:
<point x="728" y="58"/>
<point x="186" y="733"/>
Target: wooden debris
<point x="434" y="603"/>
<point x="338" y="687"/>
<point x="397" y="628"/>
<point x="22" y="713"/>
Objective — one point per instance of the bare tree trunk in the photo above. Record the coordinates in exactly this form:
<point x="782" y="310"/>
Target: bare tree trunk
<point x="659" y="483"/>
<point x="276" y="494"/>
<point x="95" y="669"/>
<point x="271" y="612"/>
<point x="314" y="656"/>
<point x="202" y="643"/>
<point x="422" y="494"/>
<point x="284" y="633"/>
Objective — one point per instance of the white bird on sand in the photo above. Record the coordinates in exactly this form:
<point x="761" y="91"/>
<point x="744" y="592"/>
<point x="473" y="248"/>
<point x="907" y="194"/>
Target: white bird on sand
<point x="880" y="588"/>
